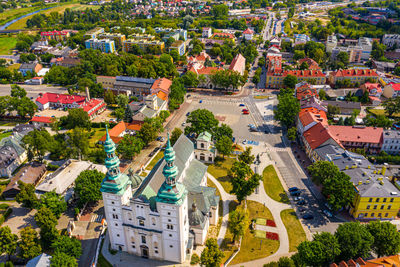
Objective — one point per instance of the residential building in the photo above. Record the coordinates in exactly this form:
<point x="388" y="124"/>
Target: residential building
<point x="59" y="36"/>
<point x="16" y="144"/>
<point x="275" y="78"/>
<point x="151" y="106"/>
<point x="308" y="117"/>
<point x="312" y="64"/>
<point x="239" y="12"/>
<point x="359" y="137"/>
<point x="163" y="85"/>
<point x="133" y="86"/>
<point x="391" y="40"/>
<point x="346" y="107"/>
<point x="275" y="41"/>
<point x="238" y="64"/>
<point x="143" y="44"/>
<point x="62" y="180"/>
<point x="384" y="66"/>
<point x="118" y="38"/>
<point x="391" y="141"/>
<point x="300" y="39"/>
<point x="68" y="62"/>
<point x="366" y="44"/>
<point x="312" y="102"/>
<point x="104" y="45"/>
<point x="355" y="53"/>
<point x="331" y="43"/>
<point x="52" y="100"/>
<point x="205" y="150"/>
<point x="304" y="90"/>
<point x="35" y="81"/>
<point x="165" y="214"/>
<point x="391" y="90"/>
<point x="32" y="67"/>
<point x="176" y="35"/>
<point x="179" y="46"/>
<point x="29" y="174"/>
<point x="142" y="36"/>
<point x="374" y="89"/>
<point x="9" y="161"/>
<point x="122" y="128"/>
<point x="43" y="121"/>
<point x="106" y="81"/>
<point x="359" y="76"/>
<point x="248" y="34"/>
<point x="207" y="32"/>
<point x="223" y="35"/>
<point x="92" y="34"/>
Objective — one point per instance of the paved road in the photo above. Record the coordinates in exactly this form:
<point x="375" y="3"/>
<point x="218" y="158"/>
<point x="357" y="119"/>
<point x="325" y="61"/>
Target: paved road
<point x="33" y="90"/>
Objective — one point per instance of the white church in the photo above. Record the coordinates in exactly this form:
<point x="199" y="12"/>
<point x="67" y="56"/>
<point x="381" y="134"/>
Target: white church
<point x="165" y="214"/>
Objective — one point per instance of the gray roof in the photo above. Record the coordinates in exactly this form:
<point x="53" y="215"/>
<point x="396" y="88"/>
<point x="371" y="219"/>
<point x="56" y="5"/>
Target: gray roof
<point x="7" y="156"/>
<point x="348" y="160"/>
<point x="132" y="84"/>
<point x="391" y="134"/>
<point x="135" y="79"/>
<point x="28" y="66"/>
<point x="325" y="150"/>
<point x="13" y="141"/>
<point x="343" y="104"/>
<point x="196" y="217"/>
<point x="43" y="260"/>
<point x="24" y="129"/>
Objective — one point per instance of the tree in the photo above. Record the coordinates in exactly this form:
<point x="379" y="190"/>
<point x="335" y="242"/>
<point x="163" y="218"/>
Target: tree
<point x="122" y="100"/>
<point x="291" y="134"/>
<point x="243" y="180"/>
<point x="354" y="240"/>
<point x="238" y="223"/>
<point x="176" y="133"/>
<point x="109" y="97"/>
<point x="378" y="50"/>
<point x="311" y="253"/>
<point x="119" y="113"/>
<point x="62" y="260"/>
<point x="37" y="142"/>
<point x="339" y="191"/>
<point x="223" y="130"/>
<point x="224" y="146"/>
<point x="287" y="109"/>
<point x="378" y="121"/>
<point x="343" y="57"/>
<point x="211" y="255"/>
<point x="76" y="117"/>
<point x="17" y="91"/>
<point x="147" y="133"/>
<point x="45" y="218"/>
<point x="128" y="114"/>
<point x="299" y="54"/>
<point x="227" y="79"/>
<point x="190" y="79"/>
<point x="87" y="186"/>
<point x="27" y="195"/>
<point x="304" y="66"/>
<point x="67" y="245"/>
<point x="201" y="120"/>
<point x="386" y="238"/>
<point x="219" y="11"/>
<point x="54" y="202"/>
<point x="164" y="114"/>
<point x="8" y="241"/>
<point x="130" y="146"/>
<point x="392" y="105"/>
<point x="290" y="81"/>
<point x="78" y="142"/>
<point x="330" y="245"/>
<point x="322" y="170"/>
<point x="246" y="156"/>
<point x="29" y="243"/>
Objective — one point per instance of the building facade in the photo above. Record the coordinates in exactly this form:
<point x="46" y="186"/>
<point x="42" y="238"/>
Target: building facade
<point x="205" y="150"/>
<point x="391" y="142"/>
<point x="104" y="45"/>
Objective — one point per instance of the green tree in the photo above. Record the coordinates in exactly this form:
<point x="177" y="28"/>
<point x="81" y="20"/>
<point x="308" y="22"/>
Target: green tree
<point x="299" y="54"/>
<point x="243" y="180"/>
<point x="211" y="255"/>
<point x="67" y="245"/>
<point x="76" y="117"/>
<point x="8" y="241"/>
<point x="392" y="105"/>
<point x="343" y="57"/>
<point x="128" y="114"/>
<point x="238" y="223"/>
<point x="386" y="238"/>
<point x="223" y="130"/>
<point x="176" y="133"/>
<point x="78" y="142"/>
<point x="27" y="195"/>
<point x="122" y="100"/>
<point x="291" y="134"/>
<point x="17" y="91"/>
<point x="311" y="253"/>
<point x="290" y="81"/>
<point x="37" y="143"/>
<point x="54" y="202"/>
<point x="119" y="113"/>
<point x="330" y="246"/>
<point x="378" y="50"/>
<point x="62" y="260"/>
<point x="246" y="156"/>
<point x="130" y="146"/>
<point x="224" y="146"/>
<point x="109" y="97"/>
<point x="87" y="186"/>
<point x="201" y="120"/>
<point x="287" y="109"/>
<point x="354" y="240"/>
<point x="304" y="66"/>
<point x="322" y="170"/>
<point x="29" y="243"/>
<point x="339" y="191"/>
<point x="190" y="79"/>
<point x="47" y="222"/>
<point x="147" y="133"/>
<point x="219" y="11"/>
<point x="164" y="114"/>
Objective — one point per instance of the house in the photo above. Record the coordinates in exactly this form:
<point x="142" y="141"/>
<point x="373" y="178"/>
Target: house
<point x="200" y="59"/>
<point x="205" y="72"/>
<point x="312" y="64"/>
<point x="33" y="67"/>
<point x="118" y="131"/>
<point x="165" y="214"/>
<point x="179" y="46"/>
<point x="29" y="174"/>
<point x="68" y="62"/>
<point x="205" y="150"/>
<point x="353" y="137"/>
<point x="104" y="45"/>
<point x="106" y="81"/>
<point x="386" y="67"/>
<point x="359" y="76"/>
<point x="304" y="90"/>
<point x="275" y="41"/>
<point x="207" y="32"/>
<point x="331" y="43"/>
<point x="391" y="40"/>
<point x="238" y="64"/>
<point x="374" y="89"/>
<point x="346" y="107"/>
<point x="300" y="39"/>
<point x="62" y="180"/>
<point x="248" y="34"/>
<point x="391" y="90"/>
<point x="391" y="141"/>
<point x="312" y="102"/>
<point x="223" y="35"/>
<point x="35" y="81"/>
<point x="43" y="120"/>
<point x="163" y="85"/>
<point x="43" y="260"/>
<point x="12" y="154"/>
<point x="152" y="106"/>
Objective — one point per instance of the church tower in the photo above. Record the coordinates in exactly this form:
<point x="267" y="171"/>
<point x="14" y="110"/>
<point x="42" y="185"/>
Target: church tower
<point x="172" y="205"/>
<point x="116" y="190"/>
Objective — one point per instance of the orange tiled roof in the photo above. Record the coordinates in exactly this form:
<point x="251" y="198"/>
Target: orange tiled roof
<point x="119" y="129"/>
<point x="304" y="73"/>
<point x="317" y="135"/>
<point x="357" y="134"/>
<point x="354" y="72"/>
<point x="162" y="95"/>
<point x="162" y="84"/>
<point x="308" y="115"/>
<point x="312" y="64"/>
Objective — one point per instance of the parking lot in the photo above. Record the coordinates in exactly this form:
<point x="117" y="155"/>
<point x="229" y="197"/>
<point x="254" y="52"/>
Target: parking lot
<point x="33" y="90"/>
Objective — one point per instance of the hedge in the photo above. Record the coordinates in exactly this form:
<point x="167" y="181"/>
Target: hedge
<point x="5" y="215"/>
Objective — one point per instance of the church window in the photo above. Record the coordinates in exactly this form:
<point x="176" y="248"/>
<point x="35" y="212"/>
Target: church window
<point x="116" y="224"/>
<point x="171" y="246"/>
<point x="202" y="145"/>
<point x="133" y="247"/>
<point x="143" y="239"/>
<point x="169" y="213"/>
<point x="141" y="222"/>
<point x="118" y="235"/>
<point x="155" y="245"/>
<point x="112" y="202"/>
<point x="169" y="220"/>
<point x="156" y="251"/>
<point x="170" y="235"/>
<point x="113" y="209"/>
<point x="153" y="221"/>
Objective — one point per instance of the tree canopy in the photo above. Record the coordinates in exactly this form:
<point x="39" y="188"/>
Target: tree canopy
<point x="211" y="255"/>
<point x="87" y="186"/>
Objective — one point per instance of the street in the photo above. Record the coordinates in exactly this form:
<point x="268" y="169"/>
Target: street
<point x="33" y="90"/>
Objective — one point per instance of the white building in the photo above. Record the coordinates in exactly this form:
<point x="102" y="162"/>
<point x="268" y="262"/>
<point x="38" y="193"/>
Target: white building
<point x="366" y="45"/>
<point x="331" y="43"/>
<point x="164" y="215"/>
<point x="205" y="150"/>
<point x="207" y="32"/>
<point x="391" y="40"/>
<point x="391" y="141"/>
<point x="248" y="34"/>
<point x="300" y="38"/>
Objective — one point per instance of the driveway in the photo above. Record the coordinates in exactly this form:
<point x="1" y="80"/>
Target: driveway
<point x="20" y="218"/>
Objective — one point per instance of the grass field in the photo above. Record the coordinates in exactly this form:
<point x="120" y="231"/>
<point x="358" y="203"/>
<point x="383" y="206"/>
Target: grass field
<point x="14" y="13"/>
<point x="14" y="66"/>
<point x="98" y="133"/>
<point x="273" y="186"/>
<point x="382" y="112"/>
<point x="294" y="229"/>
<point x="220" y="171"/>
<point x="3" y="135"/>
<point x="154" y="161"/>
<point x="7" y="44"/>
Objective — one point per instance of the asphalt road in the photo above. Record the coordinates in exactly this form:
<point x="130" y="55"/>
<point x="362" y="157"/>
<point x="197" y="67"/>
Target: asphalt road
<point x="32" y="90"/>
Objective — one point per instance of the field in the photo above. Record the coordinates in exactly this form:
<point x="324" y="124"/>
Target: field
<point x="294" y="229"/>
<point x="5" y="134"/>
<point x="7" y="44"/>
<point x="378" y="112"/>
<point x="273" y="186"/>
<point x="21" y="24"/>
<point x="220" y="172"/>
<point x="14" y="13"/>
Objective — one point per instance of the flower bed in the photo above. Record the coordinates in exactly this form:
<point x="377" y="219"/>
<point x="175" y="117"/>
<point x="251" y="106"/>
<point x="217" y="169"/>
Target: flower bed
<point x="272" y="236"/>
<point x="271" y="223"/>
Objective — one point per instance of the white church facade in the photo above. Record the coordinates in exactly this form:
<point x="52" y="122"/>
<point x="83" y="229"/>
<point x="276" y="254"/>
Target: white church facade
<point x="165" y="214"/>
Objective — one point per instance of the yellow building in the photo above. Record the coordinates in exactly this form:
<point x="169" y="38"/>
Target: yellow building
<point x="106" y="81"/>
<point x="143" y="44"/>
<point x="118" y="38"/>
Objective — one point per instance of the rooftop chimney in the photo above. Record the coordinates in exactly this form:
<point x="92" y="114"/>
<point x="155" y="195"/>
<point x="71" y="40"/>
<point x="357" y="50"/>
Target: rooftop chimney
<point x="87" y="94"/>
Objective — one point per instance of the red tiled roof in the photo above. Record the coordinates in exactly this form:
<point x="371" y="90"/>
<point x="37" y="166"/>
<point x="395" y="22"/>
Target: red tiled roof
<point x="60" y="98"/>
<point x="162" y="95"/>
<point x="92" y="105"/>
<point x="395" y="86"/>
<point x="53" y="33"/>
<point x="312" y="65"/>
<point x="238" y="63"/>
<point x="205" y="70"/>
<point x="357" y="134"/>
<point x="119" y="129"/>
<point x="308" y="115"/>
<point x="304" y="73"/>
<point x="43" y="119"/>
<point x="223" y="35"/>
<point x="162" y="84"/>
<point x="354" y="72"/>
<point x="317" y="135"/>
<point x="248" y="31"/>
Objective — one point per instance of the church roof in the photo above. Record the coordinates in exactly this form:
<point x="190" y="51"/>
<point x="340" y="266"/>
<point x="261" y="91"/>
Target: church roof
<point x="204" y="136"/>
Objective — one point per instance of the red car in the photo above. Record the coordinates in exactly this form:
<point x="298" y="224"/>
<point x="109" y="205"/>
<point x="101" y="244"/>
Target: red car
<point x="246" y="112"/>
<point x="245" y="109"/>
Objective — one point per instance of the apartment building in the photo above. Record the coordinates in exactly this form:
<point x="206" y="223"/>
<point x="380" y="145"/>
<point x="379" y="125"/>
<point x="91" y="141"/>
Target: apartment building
<point x="55" y="35"/>
<point x="104" y="45"/>
<point x="391" y="40"/>
<point x="94" y="32"/>
<point x="176" y="35"/>
<point x="118" y="38"/>
<point x="331" y="43"/>
<point x="355" y="53"/>
<point x="391" y="141"/>
<point x="142" y="43"/>
<point x="366" y="45"/>
<point x="275" y="79"/>
<point x="179" y="46"/>
<point x="359" y="76"/>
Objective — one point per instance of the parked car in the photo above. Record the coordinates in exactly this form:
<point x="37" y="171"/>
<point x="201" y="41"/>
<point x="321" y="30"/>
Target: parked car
<point x="183" y="123"/>
<point x="241" y="105"/>
<point x="308" y="217"/>
<point x="246" y="112"/>
<point x="253" y="129"/>
<point x="327" y="213"/>
<point x="187" y="114"/>
<point x="328" y="206"/>
<point x="245" y="109"/>
<point x="298" y="198"/>
<point x="201" y="101"/>
<point x="244" y="142"/>
<point x="291" y="189"/>
<point x="295" y="193"/>
<point x="301" y="202"/>
<point x="301" y="209"/>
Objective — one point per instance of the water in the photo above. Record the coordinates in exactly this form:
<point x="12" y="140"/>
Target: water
<point x="5" y="26"/>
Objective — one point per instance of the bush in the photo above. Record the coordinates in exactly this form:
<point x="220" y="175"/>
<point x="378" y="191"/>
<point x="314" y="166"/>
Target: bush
<point x="52" y="167"/>
<point x="5" y="182"/>
<point x="4" y="206"/>
<point x="195" y="259"/>
<point x="5" y="215"/>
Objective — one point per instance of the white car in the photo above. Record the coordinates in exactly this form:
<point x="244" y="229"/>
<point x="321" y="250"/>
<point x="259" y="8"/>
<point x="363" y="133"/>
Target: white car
<point x="327" y="213"/>
<point x="183" y="123"/>
<point x="244" y="142"/>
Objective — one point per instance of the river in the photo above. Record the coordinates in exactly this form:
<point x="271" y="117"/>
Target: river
<point x="5" y="26"/>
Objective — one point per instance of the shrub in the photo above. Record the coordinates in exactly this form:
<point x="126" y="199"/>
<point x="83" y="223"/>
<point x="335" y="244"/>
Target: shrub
<point x="52" y="167"/>
<point x="4" y="206"/>
<point x="5" y="215"/>
<point x="195" y="259"/>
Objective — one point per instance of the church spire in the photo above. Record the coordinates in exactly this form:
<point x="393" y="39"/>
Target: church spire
<point x="170" y="170"/>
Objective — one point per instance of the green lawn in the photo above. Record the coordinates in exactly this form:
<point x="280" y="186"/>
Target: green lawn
<point x="8" y="123"/>
<point x="14" y="13"/>
<point x="154" y="161"/>
<point x="273" y="186"/>
<point x="382" y="112"/>
<point x="2" y="134"/>
<point x="7" y="44"/>
<point x="220" y="170"/>
<point x="261" y="97"/>
<point x="98" y="133"/>
<point x="294" y="229"/>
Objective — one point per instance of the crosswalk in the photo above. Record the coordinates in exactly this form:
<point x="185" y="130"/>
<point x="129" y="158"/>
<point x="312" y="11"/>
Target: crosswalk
<point x="96" y="218"/>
